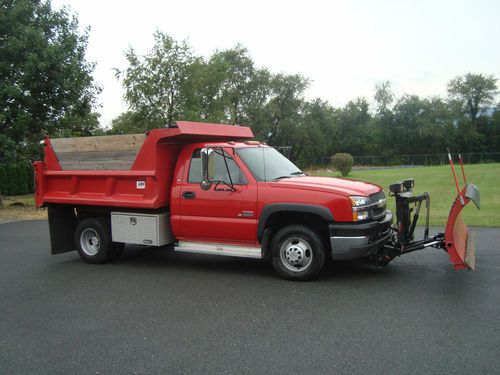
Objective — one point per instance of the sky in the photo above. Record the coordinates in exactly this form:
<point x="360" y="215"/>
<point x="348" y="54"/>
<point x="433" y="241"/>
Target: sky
<point x="343" y="47"/>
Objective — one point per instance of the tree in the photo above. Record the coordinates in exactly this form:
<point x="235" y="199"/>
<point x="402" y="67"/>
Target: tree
<point x="128" y="123"/>
<point x="472" y="94"/>
<point x="156" y="85"/>
<point x="171" y="83"/>
<point x="222" y="88"/>
<point x="385" y="134"/>
<point x="321" y="117"/>
<point x="489" y="127"/>
<point x="475" y="92"/>
<point x="46" y="84"/>
<point x="383" y="96"/>
<point x="422" y="125"/>
<point x="437" y="129"/>
<point x="284" y="107"/>
<point x="237" y="72"/>
<point x="228" y="89"/>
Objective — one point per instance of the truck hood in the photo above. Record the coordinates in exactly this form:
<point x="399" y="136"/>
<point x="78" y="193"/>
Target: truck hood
<point x="328" y="184"/>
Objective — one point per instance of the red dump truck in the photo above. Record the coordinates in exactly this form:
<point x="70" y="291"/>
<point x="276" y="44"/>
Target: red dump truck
<point x="211" y="188"/>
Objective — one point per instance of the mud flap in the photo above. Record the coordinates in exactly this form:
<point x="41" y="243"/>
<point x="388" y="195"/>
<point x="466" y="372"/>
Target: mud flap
<point x="459" y="241"/>
<point x="62" y="226"/>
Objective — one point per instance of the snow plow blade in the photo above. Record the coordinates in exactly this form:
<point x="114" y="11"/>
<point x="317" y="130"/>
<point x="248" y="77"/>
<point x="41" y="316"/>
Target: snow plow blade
<point x="459" y="241"/>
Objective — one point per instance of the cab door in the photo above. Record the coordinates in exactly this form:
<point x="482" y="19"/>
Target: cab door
<point x="219" y="214"/>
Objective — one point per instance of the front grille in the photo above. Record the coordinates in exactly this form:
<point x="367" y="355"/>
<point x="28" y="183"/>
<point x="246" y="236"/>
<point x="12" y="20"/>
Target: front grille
<point x="378" y="195"/>
<point x="378" y="212"/>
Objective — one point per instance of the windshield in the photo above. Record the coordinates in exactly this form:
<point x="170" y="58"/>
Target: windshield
<point x="267" y="164"/>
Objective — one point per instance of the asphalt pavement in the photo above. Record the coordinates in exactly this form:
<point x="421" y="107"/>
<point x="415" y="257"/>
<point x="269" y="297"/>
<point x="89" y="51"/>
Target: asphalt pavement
<point x="155" y="311"/>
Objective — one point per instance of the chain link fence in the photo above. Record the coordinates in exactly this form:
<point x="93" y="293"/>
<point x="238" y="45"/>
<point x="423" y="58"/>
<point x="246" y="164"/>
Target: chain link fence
<point x="394" y="160"/>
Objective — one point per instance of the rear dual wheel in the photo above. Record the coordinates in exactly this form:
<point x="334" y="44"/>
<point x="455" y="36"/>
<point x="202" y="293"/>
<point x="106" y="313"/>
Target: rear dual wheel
<point x="93" y="241"/>
<point x="297" y="253"/>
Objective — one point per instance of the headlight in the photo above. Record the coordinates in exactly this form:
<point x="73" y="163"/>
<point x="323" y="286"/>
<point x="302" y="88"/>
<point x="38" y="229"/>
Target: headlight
<point x="359" y="201"/>
<point x="359" y="208"/>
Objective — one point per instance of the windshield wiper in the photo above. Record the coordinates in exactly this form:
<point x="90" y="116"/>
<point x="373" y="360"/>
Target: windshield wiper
<point x="281" y="177"/>
<point x="293" y="174"/>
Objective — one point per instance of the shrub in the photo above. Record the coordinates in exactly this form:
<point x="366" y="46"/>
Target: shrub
<point x="16" y="179"/>
<point x="343" y="163"/>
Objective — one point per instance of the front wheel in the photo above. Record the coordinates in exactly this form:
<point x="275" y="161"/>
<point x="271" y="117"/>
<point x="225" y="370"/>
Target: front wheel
<point x="93" y="241"/>
<point x="297" y="253"/>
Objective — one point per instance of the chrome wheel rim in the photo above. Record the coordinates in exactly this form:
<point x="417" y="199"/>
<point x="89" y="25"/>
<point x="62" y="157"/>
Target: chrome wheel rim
<point x="296" y="254"/>
<point x="90" y="242"/>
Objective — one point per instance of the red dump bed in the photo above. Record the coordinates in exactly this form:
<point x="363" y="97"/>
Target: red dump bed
<point x="132" y="170"/>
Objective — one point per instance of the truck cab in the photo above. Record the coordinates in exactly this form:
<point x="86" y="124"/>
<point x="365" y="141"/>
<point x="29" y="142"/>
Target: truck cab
<point x="248" y="194"/>
<point x="206" y="188"/>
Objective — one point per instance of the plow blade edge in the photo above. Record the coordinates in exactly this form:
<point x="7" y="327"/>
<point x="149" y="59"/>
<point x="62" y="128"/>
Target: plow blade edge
<point x="459" y="241"/>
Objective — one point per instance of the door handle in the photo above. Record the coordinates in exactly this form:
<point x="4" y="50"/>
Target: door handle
<point x="189" y="195"/>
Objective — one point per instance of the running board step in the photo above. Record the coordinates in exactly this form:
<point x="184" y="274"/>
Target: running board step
<point x="219" y="249"/>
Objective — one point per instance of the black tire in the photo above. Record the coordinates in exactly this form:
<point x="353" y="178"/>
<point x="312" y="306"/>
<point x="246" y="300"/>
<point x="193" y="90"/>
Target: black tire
<point x="297" y="253"/>
<point x="93" y="241"/>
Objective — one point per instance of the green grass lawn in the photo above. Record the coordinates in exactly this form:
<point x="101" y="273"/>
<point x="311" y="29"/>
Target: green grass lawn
<point x="438" y="182"/>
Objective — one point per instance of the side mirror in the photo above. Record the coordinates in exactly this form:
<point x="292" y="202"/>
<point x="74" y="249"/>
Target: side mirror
<point x="205" y="183"/>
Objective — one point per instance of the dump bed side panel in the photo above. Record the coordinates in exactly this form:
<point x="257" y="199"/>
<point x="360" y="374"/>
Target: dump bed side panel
<point x="132" y="170"/>
<point x="100" y="171"/>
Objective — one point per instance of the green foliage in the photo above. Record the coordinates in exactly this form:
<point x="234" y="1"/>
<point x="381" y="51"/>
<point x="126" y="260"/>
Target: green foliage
<point x="129" y="123"/>
<point x="16" y="179"/>
<point x="474" y="92"/>
<point x="472" y="95"/>
<point x="172" y="83"/>
<point x="46" y="85"/>
<point x="353" y="121"/>
<point x="7" y="148"/>
<point x="383" y="96"/>
<point x="234" y="77"/>
<point x="156" y="85"/>
<point x="343" y="162"/>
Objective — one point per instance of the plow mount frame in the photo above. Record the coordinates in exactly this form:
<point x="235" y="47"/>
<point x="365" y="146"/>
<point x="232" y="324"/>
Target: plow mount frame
<point x="457" y="240"/>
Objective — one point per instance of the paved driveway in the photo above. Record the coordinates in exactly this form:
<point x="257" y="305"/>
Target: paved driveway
<point x="160" y="312"/>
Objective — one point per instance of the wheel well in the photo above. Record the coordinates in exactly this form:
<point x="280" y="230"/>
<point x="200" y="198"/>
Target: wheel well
<point x="314" y="222"/>
<point x="86" y="212"/>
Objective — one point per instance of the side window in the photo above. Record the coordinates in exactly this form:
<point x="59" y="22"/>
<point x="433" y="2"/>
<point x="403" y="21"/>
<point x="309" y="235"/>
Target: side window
<point x="217" y="169"/>
<point x="194" y="176"/>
